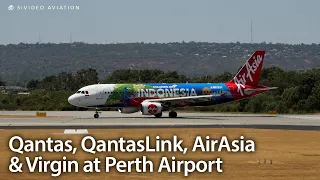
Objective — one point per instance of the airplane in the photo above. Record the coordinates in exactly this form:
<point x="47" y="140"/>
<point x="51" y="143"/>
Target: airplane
<point x="154" y="98"/>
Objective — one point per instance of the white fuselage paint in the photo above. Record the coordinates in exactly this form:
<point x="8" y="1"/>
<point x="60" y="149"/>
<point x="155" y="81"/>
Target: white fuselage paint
<point x="98" y="94"/>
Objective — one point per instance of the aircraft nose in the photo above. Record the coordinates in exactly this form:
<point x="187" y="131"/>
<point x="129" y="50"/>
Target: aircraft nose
<point x="72" y="99"/>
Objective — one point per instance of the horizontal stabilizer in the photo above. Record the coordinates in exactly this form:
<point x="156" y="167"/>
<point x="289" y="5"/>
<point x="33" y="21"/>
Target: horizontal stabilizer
<point x="261" y="89"/>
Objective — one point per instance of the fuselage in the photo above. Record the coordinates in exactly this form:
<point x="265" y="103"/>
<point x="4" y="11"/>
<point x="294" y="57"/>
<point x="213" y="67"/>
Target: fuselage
<point x="154" y="98"/>
<point x="132" y="95"/>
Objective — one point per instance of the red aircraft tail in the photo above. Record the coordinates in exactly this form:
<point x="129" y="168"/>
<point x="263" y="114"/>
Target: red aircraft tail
<point x="249" y="74"/>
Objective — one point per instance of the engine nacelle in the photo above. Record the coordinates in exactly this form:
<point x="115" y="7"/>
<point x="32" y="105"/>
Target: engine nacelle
<point x="150" y="108"/>
<point x="128" y="110"/>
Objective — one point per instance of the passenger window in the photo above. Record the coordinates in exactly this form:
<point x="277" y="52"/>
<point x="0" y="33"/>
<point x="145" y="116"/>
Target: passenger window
<point x="87" y="92"/>
<point x="78" y="92"/>
<point x="82" y="92"/>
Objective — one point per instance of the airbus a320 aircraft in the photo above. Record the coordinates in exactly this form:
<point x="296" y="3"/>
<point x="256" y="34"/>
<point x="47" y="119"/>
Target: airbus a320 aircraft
<point x="154" y="98"/>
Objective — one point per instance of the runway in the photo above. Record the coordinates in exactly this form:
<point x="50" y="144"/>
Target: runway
<point x="116" y="120"/>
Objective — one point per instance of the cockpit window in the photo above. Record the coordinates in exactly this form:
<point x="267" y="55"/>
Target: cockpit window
<point x="82" y="92"/>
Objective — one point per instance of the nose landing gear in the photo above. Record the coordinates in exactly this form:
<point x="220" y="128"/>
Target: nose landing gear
<point x="96" y="114"/>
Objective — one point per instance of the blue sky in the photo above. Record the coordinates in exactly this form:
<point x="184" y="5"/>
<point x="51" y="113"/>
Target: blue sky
<point x="101" y="21"/>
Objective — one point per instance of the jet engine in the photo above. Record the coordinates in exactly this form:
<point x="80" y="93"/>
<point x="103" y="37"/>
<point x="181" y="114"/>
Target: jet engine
<point x="128" y="110"/>
<point x="150" y="108"/>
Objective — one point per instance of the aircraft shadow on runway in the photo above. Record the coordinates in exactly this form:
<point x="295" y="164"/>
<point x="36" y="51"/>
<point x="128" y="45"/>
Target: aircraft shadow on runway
<point x="183" y="117"/>
<point x="154" y="118"/>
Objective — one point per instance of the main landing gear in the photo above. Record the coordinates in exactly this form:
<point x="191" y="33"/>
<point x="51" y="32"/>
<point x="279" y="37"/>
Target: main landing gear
<point x="172" y="114"/>
<point x="158" y="115"/>
<point x="96" y="114"/>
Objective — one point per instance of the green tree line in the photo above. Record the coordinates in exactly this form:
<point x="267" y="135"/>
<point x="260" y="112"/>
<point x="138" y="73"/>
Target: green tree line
<point x="22" y="62"/>
<point x="298" y="91"/>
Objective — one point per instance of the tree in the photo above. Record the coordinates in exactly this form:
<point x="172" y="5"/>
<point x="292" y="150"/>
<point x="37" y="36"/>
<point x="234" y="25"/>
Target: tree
<point x="2" y="83"/>
<point x="291" y="97"/>
<point x="33" y="84"/>
<point x="313" y="101"/>
<point x="86" y="77"/>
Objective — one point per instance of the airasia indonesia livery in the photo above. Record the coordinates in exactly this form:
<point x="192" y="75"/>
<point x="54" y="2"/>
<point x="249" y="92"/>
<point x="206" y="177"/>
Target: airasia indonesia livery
<point x="154" y="98"/>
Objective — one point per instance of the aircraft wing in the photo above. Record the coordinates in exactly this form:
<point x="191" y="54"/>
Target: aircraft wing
<point x="181" y="100"/>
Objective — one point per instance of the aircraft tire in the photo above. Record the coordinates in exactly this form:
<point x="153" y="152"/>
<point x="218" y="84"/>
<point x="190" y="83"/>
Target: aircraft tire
<point x="96" y="115"/>
<point x="173" y="114"/>
<point x="158" y="115"/>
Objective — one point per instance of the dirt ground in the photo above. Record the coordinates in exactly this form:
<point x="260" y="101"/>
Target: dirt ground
<point x="32" y="116"/>
<point x="294" y="154"/>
